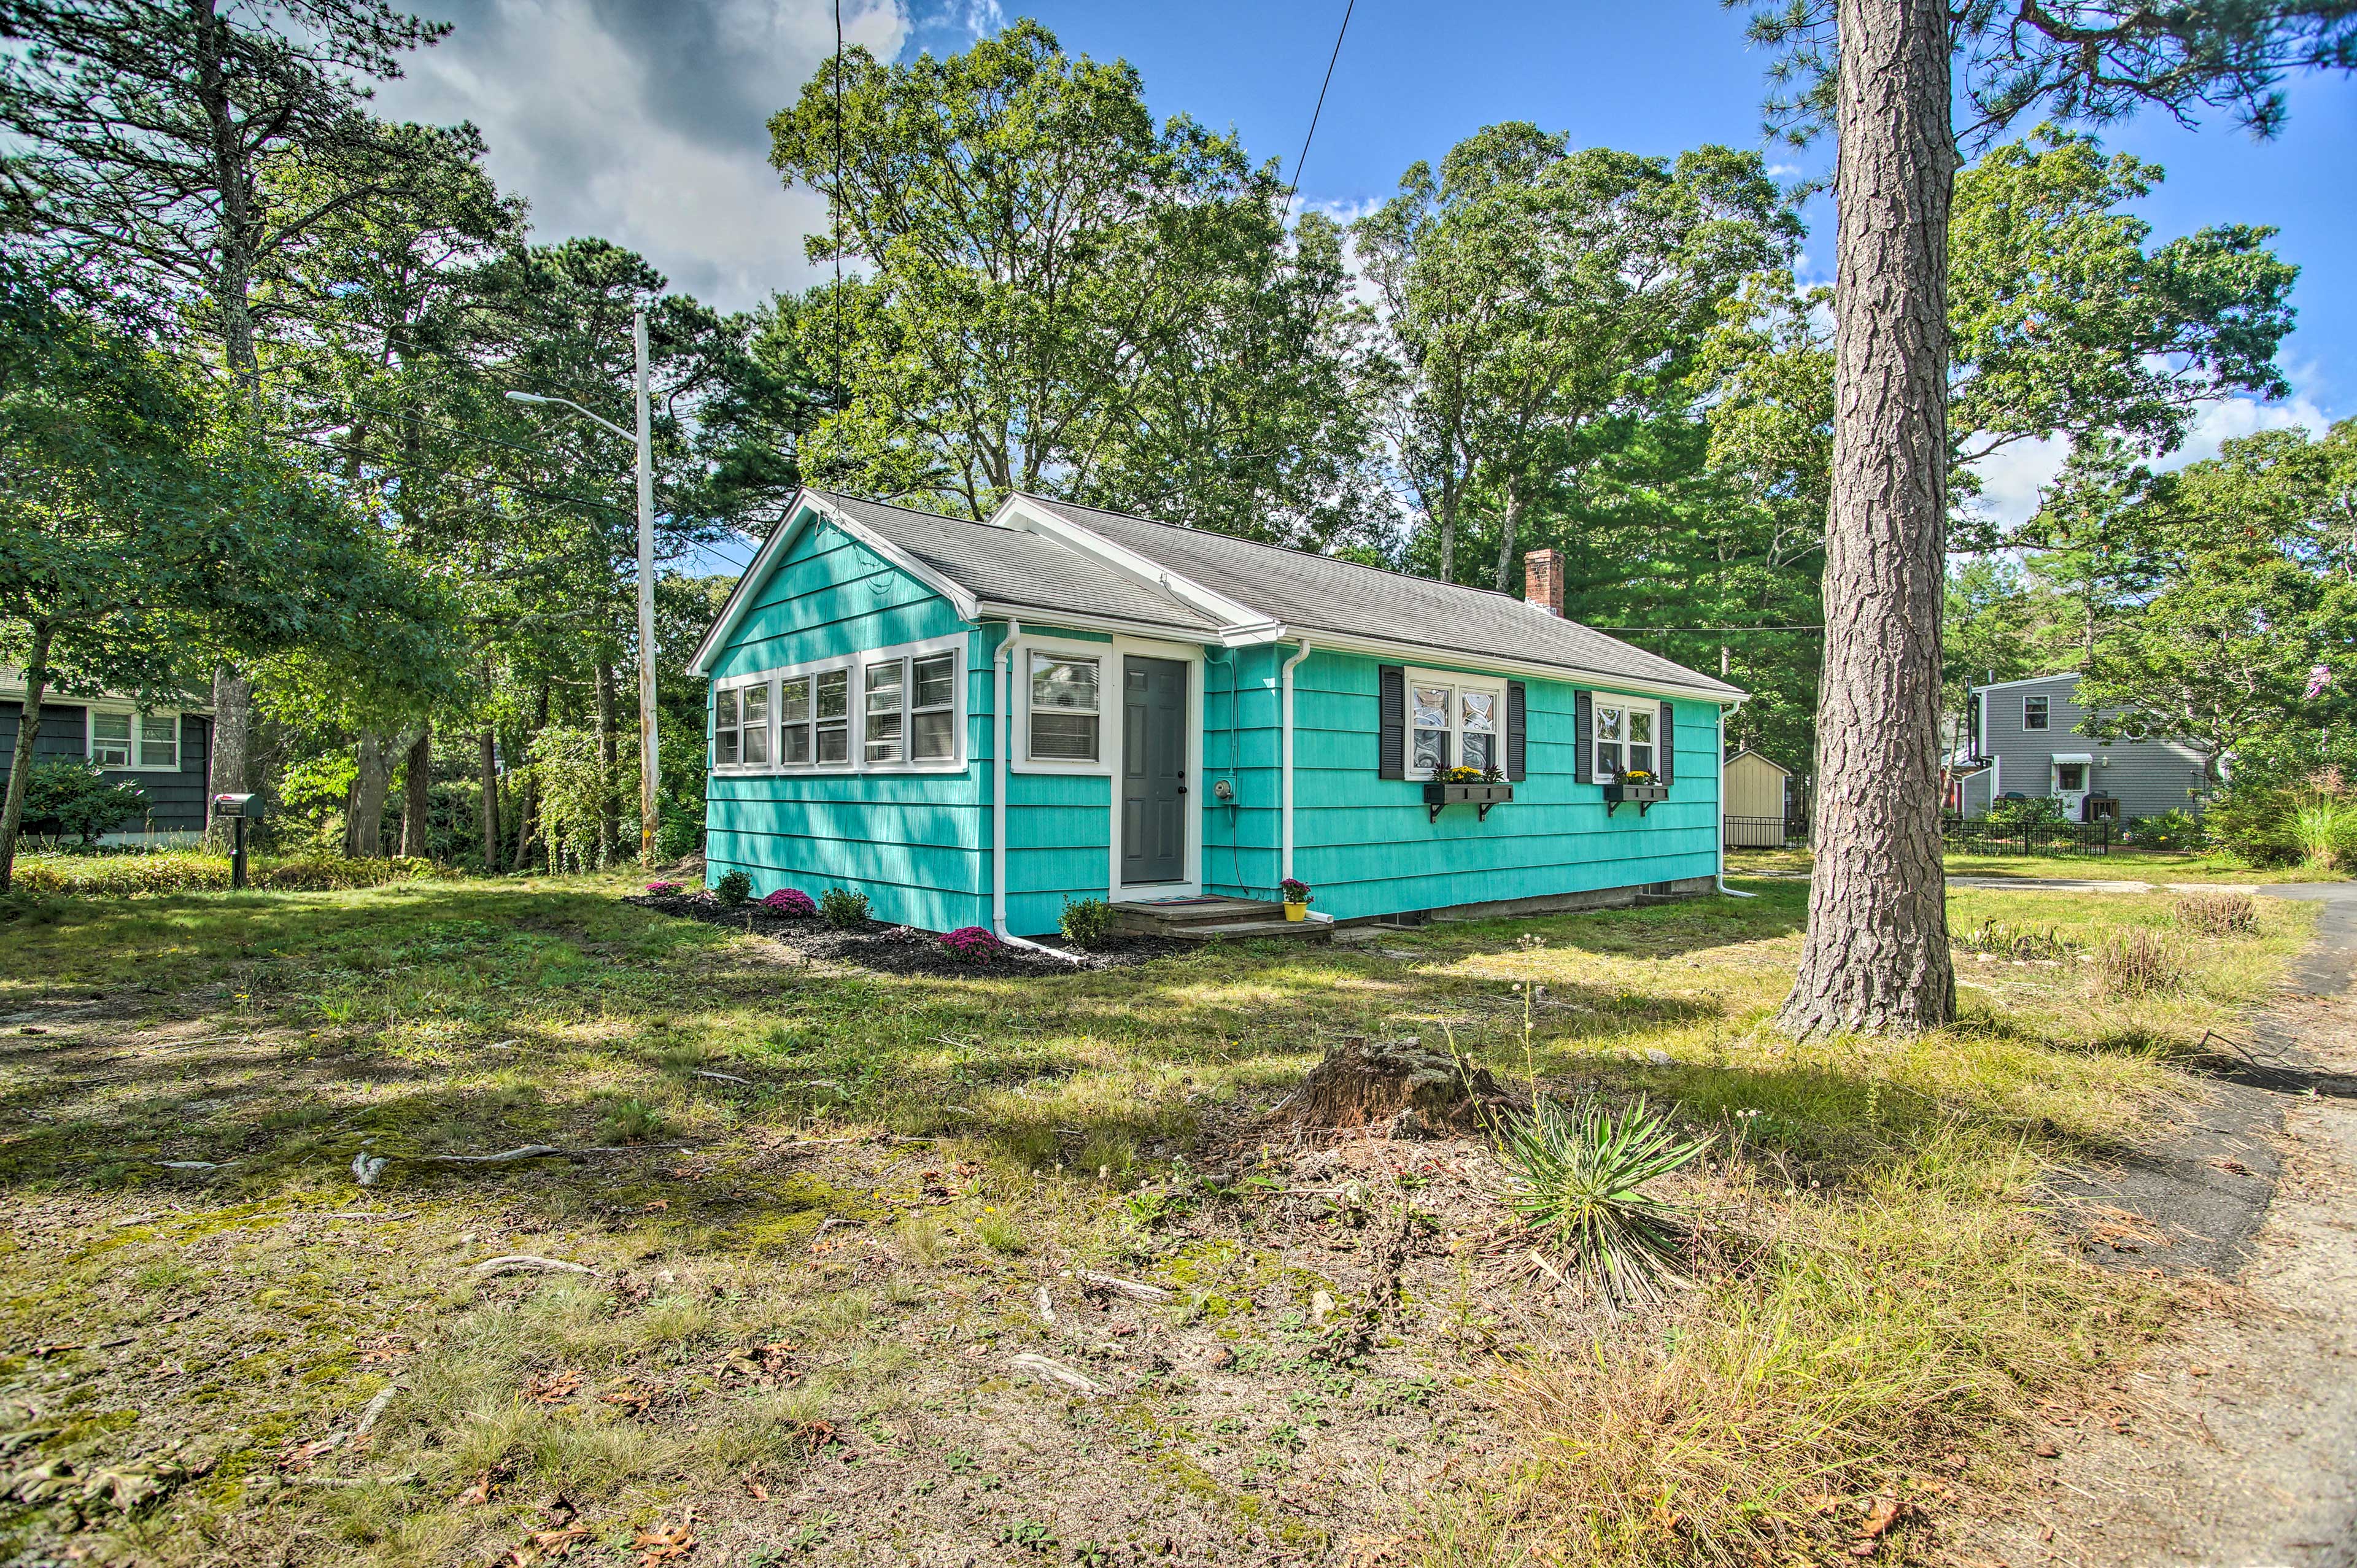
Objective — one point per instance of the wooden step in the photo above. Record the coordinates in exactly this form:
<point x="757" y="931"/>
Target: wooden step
<point x="1178" y="915"/>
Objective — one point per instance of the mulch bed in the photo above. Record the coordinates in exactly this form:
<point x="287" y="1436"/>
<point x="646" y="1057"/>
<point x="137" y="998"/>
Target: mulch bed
<point x="894" y="949"/>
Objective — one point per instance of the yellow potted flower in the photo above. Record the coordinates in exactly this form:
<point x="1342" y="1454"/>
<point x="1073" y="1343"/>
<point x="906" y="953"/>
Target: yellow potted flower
<point x="1296" y="898"/>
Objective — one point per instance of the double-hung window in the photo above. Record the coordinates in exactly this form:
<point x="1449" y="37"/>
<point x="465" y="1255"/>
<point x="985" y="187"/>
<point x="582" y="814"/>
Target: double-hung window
<point x="110" y="739"/>
<point x="1624" y="737"/>
<point x="740" y="727"/>
<point x="794" y="721"/>
<point x="887" y="692"/>
<point x="1457" y="723"/>
<point x="831" y="702"/>
<point x="911" y="710"/>
<point x="2034" y="711"/>
<point x="1065" y="715"/>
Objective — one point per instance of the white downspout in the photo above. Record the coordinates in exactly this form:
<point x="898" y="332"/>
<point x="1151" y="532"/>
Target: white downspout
<point x="1002" y="740"/>
<point x="1723" y="887"/>
<point x="1284" y="681"/>
<point x="1285" y="769"/>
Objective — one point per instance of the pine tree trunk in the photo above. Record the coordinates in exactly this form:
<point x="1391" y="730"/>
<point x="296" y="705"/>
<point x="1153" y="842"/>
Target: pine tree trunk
<point x="488" y="810"/>
<point x="28" y="735"/>
<point x="417" y="796"/>
<point x="1509" y="534"/>
<point x="609" y="821"/>
<point x="1876" y="958"/>
<point x="233" y="759"/>
<point x="373" y="782"/>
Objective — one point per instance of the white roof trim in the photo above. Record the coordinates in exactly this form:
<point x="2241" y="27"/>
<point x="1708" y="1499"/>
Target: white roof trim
<point x="808" y="504"/>
<point x="1745" y="751"/>
<point x="1594" y="680"/>
<point x="1026" y="514"/>
<point x="2029" y="681"/>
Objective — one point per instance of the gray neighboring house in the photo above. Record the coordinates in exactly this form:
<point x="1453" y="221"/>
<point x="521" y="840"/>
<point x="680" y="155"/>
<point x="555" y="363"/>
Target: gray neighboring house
<point x="165" y="751"/>
<point x="2026" y="741"/>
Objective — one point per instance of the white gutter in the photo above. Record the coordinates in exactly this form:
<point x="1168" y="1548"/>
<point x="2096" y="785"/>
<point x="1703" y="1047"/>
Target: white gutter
<point x="1284" y="679"/>
<point x="1723" y="887"/>
<point x="1003" y="722"/>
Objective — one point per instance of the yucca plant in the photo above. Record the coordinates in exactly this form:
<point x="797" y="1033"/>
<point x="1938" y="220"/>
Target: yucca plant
<point x="1576" y="1175"/>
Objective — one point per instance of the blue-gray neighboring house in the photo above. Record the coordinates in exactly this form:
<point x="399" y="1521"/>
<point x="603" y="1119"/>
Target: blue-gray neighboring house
<point x="167" y="752"/>
<point x="2025" y="740"/>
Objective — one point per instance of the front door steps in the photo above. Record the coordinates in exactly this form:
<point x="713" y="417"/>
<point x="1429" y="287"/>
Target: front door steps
<point x="1199" y="919"/>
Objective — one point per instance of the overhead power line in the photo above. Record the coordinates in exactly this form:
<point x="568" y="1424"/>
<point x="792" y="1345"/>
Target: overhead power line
<point x="1714" y="630"/>
<point x="1303" y="157"/>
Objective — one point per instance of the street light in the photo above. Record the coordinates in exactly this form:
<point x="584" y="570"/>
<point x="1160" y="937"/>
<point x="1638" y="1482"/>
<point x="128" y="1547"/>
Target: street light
<point x="648" y="761"/>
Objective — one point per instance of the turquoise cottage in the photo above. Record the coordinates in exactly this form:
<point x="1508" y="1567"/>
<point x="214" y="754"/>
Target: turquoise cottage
<point x="973" y="723"/>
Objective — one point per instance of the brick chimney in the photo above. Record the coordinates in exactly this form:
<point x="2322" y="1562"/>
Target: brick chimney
<point x="1542" y="581"/>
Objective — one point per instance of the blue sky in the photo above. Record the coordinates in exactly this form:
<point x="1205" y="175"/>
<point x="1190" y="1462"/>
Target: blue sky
<point x="642" y="121"/>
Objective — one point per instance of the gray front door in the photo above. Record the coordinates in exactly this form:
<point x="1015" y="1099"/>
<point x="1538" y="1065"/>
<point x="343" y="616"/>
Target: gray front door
<point x="1152" y="770"/>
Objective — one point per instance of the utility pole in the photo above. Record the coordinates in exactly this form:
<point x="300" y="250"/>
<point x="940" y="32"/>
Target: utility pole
<point x="644" y="441"/>
<point x="649" y="760"/>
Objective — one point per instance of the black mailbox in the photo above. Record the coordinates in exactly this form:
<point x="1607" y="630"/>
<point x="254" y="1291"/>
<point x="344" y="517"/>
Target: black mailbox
<point x="237" y="805"/>
<point x="240" y="810"/>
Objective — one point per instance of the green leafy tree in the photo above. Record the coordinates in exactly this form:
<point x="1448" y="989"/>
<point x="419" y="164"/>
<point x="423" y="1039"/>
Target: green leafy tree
<point x="1055" y="293"/>
<point x="1533" y="293"/>
<point x="1990" y="633"/>
<point x="144" y="130"/>
<point x="76" y="798"/>
<point x="1881" y="74"/>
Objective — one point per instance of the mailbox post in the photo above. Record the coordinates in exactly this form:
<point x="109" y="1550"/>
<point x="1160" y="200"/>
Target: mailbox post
<point x="243" y="809"/>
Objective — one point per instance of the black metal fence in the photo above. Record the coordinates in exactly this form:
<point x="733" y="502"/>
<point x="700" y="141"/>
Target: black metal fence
<point x="1761" y="833"/>
<point x="1961" y="835"/>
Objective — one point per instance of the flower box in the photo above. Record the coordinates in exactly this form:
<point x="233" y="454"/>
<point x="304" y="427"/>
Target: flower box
<point x="1482" y="796"/>
<point x="1644" y="797"/>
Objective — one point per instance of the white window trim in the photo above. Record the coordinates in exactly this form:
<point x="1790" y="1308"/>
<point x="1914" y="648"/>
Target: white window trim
<point x="90" y="738"/>
<point x="856" y="702"/>
<point x="1457" y="680"/>
<point x="2042" y="728"/>
<point x="1109" y="737"/>
<point x="1598" y="701"/>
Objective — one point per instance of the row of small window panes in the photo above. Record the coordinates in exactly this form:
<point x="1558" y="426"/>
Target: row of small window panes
<point x="1475" y="727"/>
<point x="111" y="740"/>
<point x="910" y="701"/>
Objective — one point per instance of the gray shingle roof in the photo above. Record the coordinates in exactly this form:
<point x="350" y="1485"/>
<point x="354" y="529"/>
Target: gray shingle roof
<point x="1319" y="592"/>
<point x="1025" y="570"/>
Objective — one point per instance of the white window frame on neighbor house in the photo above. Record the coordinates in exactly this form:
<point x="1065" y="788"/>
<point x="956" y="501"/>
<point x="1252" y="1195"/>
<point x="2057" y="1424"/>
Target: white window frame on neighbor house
<point x="1110" y="739"/>
<point x="796" y="743"/>
<point x="2045" y="713"/>
<point x="1622" y="736"/>
<point x="1457" y="685"/>
<point x="137" y="739"/>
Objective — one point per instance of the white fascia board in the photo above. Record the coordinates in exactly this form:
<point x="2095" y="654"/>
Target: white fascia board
<point x="1025" y="513"/>
<point x="808" y="505"/>
<point x="1595" y="679"/>
<point x="2029" y="681"/>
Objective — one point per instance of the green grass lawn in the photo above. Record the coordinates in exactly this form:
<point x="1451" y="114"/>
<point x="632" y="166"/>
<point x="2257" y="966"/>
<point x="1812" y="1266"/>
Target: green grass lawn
<point x="833" y="1208"/>
<point x="2121" y="864"/>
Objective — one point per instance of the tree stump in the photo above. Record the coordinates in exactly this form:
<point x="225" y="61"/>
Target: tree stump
<point x="1396" y="1084"/>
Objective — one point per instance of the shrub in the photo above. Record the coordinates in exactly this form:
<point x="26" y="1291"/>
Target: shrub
<point x="973" y="944"/>
<point x="2325" y="828"/>
<point x="76" y="797"/>
<point x="2172" y="829"/>
<point x="2044" y="808"/>
<point x="733" y="888"/>
<point x="843" y="908"/>
<point x="1577" y="1176"/>
<point x="189" y="871"/>
<point x="1087" y="922"/>
<point x="2138" y="962"/>
<point x="2217" y="914"/>
<point x="678" y="835"/>
<point x="789" y="901"/>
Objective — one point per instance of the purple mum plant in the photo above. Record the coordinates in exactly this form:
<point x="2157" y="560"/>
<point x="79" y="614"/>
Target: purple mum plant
<point x="663" y="889"/>
<point x="790" y="901"/>
<point x="973" y="943"/>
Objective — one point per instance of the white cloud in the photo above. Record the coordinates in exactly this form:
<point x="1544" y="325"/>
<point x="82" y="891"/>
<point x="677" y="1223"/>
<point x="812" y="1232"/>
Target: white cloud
<point x="647" y="125"/>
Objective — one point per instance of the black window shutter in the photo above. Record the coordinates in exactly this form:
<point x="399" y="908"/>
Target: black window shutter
<point x="1669" y="746"/>
<point x="1391" y="721"/>
<point x="1583" y="727"/>
<point x="1517" y="739"/>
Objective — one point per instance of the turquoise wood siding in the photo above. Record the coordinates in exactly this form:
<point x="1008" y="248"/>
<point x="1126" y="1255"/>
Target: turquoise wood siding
<point x="1243" y="744"/>
<point x="1058" y="825"/>
<point x="914" y="843"/>
<point x="1365" y="843"/>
